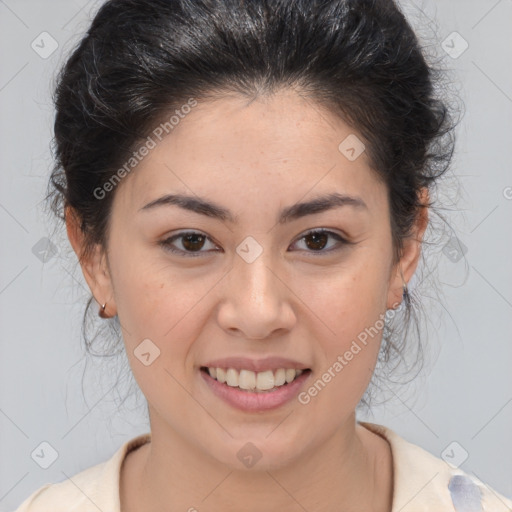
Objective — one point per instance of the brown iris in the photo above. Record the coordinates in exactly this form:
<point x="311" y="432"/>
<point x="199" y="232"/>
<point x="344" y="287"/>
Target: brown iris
<point x="193" y="241"/>
<point x="319" y="240"/>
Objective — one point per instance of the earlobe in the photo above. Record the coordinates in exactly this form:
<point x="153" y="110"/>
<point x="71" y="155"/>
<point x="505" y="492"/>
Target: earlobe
<point x="93" y="263"/>
<point x="397" y="292"/>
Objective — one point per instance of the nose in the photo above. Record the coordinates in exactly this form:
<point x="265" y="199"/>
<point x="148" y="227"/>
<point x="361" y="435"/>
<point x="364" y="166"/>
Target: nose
<point x="256" y="302"/>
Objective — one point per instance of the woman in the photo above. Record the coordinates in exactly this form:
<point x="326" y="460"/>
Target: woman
<point x="247" y="187"/>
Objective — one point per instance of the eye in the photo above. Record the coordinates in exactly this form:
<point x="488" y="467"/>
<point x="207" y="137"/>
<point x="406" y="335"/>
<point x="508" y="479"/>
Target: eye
<point x="316" y="240"/>
<point x="191" y="241"/>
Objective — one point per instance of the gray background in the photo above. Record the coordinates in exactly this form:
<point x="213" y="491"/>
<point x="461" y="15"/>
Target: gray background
<point x="464" y="394"/>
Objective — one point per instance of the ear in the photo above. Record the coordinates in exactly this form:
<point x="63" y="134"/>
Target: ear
<point x="94" y="263"/>
<point x="410" y="255"/>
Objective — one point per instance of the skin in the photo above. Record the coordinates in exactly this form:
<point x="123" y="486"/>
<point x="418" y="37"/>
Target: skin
<point x="252" y="158"/>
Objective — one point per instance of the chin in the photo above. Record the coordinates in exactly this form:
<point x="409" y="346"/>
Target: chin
<point x="258" y="452"/>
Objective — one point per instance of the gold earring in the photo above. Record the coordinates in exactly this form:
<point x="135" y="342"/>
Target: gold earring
<point x="101" y="312"/>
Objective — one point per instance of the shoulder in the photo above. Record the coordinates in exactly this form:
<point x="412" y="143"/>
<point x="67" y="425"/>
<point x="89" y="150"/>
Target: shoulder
<point x="424" y="482"/>
<point x="77" y="493"/>
<point x="95" y="488"/>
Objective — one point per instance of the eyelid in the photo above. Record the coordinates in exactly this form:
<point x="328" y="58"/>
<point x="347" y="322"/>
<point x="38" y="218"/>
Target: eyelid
<point x="323" y="230"/>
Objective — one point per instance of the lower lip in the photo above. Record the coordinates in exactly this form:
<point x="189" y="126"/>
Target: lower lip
<point x="251" y="401"/>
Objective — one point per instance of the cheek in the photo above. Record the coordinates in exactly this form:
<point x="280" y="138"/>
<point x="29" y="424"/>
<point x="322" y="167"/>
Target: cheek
<point x="351" y="298"/>
<point x="160" y="320"/>
<point x="351" y="309"/>
<point x="159" y="303"/>
<point x="349" y="350"/>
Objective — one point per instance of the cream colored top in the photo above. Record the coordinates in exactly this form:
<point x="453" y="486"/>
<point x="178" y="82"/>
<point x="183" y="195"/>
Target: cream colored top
<point x="422" y="483"/>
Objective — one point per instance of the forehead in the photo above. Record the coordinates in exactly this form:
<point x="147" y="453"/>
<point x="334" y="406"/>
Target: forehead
<point x="278" y="146"/>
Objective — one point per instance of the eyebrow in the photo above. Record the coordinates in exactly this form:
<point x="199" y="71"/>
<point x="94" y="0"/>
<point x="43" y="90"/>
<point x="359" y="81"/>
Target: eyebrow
<point x="296" y="211"/>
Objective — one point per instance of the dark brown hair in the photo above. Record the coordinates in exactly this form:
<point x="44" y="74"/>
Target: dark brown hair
<point x="140" y="60"/>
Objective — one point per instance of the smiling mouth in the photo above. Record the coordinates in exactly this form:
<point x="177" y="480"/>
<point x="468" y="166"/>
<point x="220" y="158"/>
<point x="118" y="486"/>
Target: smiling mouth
<point x="255" y="382"/>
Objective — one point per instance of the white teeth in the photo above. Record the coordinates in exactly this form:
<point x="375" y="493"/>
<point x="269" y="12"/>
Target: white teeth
<point x="221" y="374"/>
<point x="246" y="379"/>
<point x="249" y="380"/>
<point x="280" y="377"/>
<point x="232" y="377"/>
<point x="290" y="374"/>
<point x="265" y="380"/>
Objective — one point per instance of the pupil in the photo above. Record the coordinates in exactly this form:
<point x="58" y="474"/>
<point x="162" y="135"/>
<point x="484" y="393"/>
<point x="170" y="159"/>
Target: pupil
<point x="315" y="237"/>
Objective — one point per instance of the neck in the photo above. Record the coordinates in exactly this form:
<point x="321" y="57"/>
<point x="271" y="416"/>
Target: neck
<point x="347" y="472"/>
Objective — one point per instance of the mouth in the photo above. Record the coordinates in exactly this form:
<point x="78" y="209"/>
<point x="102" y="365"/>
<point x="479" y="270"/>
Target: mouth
<point x="256" y="382"/>
<point x="250" y="391"/>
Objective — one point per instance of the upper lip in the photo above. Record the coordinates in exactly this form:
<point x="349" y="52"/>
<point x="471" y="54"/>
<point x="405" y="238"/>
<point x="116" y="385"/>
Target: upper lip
<point x="256" y="365"/>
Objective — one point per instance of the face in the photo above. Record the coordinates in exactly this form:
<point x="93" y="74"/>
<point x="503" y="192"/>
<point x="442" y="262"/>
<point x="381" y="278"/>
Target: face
<point x="194" y="288"/>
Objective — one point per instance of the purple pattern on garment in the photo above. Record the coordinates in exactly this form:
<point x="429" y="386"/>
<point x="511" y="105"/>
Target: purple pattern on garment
<point x="466" y="495"/>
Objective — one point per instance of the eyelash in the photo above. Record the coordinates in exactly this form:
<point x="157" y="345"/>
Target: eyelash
<point x="168" y="241"/>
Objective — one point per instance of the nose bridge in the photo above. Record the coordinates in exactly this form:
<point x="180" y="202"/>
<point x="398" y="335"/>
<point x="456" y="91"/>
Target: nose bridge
<point x="253" y="266"/>
<point x="255" y="301"/>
